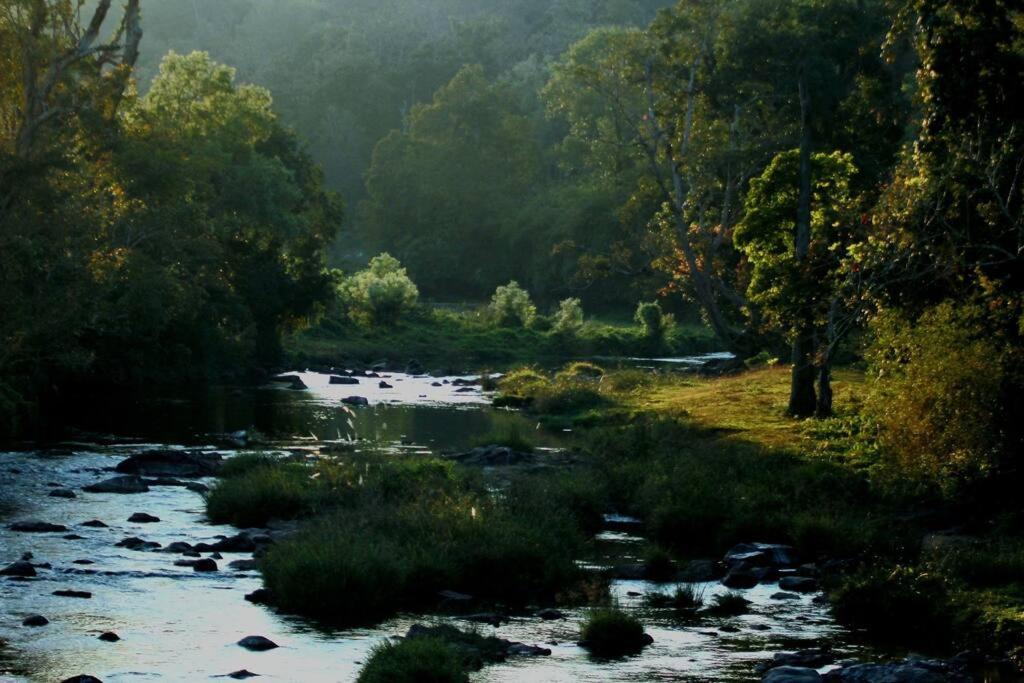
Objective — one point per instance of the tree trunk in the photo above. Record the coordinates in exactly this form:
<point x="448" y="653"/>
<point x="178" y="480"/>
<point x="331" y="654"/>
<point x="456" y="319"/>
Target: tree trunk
<point x="824" y="406"/>
<point x="802" y="400"/>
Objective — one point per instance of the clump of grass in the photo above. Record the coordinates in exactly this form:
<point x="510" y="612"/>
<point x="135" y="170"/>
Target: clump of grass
<point x="245" y="463"/>
<point x="416" y="660"/>
<point x="254" y="494"/>
<point x="729" y="605"/>
<point x="611" y="632"/>
<point x="625" y="381"/>
<point x="686" y="598"/>
<point x="582" y="369"/>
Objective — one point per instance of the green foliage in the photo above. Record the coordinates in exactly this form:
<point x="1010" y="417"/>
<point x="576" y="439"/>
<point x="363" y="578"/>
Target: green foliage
<point x="611" y="632"/>
<point x="414" y="660"/>
<point x="511" y="438"/>
<point x="935" y="396"/>
<point x="901" y="603"/>
<point x="381" y="294"/>
<point x="568" y="319"/>
<point x="655" y="323"/>
<point x="255" y="494"/>
<point x="511" y="306"/>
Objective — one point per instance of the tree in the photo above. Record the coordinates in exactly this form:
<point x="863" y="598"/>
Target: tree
<point x="788" y="285"/>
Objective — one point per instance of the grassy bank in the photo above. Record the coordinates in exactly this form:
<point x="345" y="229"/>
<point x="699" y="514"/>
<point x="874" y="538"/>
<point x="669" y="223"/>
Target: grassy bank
<point x="707" y="463"/>
<point x="443" y="339"/>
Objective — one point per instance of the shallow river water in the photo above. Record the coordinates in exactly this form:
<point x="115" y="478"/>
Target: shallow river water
<point x="179" y="625"/>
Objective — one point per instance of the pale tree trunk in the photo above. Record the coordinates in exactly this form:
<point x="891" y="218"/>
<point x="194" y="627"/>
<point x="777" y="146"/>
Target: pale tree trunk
<point x="802" y="399"/>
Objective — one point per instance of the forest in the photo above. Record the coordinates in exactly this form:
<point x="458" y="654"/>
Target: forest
<point x="559" y="207"/>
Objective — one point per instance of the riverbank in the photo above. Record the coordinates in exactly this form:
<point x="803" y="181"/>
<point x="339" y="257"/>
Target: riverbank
<point x="709" y="462"/>
<point x="462" y="341"/>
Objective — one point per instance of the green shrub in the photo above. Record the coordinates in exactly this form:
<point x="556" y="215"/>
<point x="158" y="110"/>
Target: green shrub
<point x="625" y="381"/>
<point x="935" y="396"/>
<point x="656" y="324"/>
<point x="568" y="319"/>
<point x="511" y="306"/>
<point x="414" y="660"/>
<point x="581" y="369"/>
<point x="610" y="632"/>
<point x="381" y="294"/>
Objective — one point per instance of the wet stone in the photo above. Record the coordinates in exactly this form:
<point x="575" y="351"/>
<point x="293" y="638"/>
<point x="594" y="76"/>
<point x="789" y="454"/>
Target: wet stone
<point x="95" y="523"/>
<point x="109" y="637"/>
<point x="37" y="527"/>
<point x="20" y="568"/>
<point x="35" y="620"/>
<point x="62" y="493"/>
<point x="257" y="643"/>
<point x="143" y="518"/>
<point x="85" y="595"/>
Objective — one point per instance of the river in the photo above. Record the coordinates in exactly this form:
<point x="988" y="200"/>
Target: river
<point x="176" y="624"/>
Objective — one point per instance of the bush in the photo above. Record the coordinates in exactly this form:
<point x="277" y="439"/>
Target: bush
<point x="511" y="306"/>
<point x="935" y="397"/>
<point x="414" y="660"/>
<point x="381" y="294"/>
<point x="612" y="633"/>
<point x="656" y="324"/>
<point x="568" y="319"/>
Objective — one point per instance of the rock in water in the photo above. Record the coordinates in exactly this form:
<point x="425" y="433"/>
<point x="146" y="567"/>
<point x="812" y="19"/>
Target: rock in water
<point x="82" y="679"/>
<point x="204" y="565"/>
<point x="337" y="379"/>
<point x="791" y="674"/>
<point x="260" y="596"/>
<point x="143" y="518"/>
<point x="170" y="463"/>
<point x="95" y="523"/>
<point x="122" y="484"/>
<point x="109" y="637"/>
<point x="257" y="643"/>
<point x="242" y="674"/>
<point x="356" y="401"/>
<point x="35" y="620"/>
<point x="36" y="527"/>
<point x="798" y="584"/>
<point x="62" y="493"/>
<point x="85" y="595"/>
<point x="20" y="568"/>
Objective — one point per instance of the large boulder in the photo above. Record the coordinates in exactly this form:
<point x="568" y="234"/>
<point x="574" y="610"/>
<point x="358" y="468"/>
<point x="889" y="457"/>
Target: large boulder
<point x="791" y="674"/>
<point x="343" y="379"/>
<point x="761" y="554"/>
<point x="744" y="575"/>
<point x="122" y="484"/>
<point x="356" y="401"/>
<point x="20" y="568"/>
<point x="798" y="584"/>
<point x="912" y="670"/>
<point x="171" y="463"/>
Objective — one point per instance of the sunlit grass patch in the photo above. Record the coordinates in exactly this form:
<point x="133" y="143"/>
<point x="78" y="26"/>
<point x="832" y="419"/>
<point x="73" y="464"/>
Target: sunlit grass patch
<point x="416" y="660"/>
